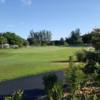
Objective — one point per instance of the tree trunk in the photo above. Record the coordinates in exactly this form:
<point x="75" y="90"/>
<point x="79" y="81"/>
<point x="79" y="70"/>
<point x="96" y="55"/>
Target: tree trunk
<point x="2" y="45"/>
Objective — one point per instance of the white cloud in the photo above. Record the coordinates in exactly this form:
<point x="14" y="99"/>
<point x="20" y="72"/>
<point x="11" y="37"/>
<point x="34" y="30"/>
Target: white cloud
<point x="27" y="2"/>
<point x="2" y="1"/>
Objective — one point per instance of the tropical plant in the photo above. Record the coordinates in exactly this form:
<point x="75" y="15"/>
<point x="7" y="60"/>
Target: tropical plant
<point x="56" y="93"/>
<point x="17" y="95"/>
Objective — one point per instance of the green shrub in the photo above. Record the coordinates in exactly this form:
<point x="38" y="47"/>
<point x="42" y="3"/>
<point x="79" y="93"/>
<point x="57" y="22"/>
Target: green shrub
<point x="74" y="77"/>
<point x="89" y="67"/>
<point x="91" y="56"/>
<point x="81" y="56"/>
<point x="49" y="81"/>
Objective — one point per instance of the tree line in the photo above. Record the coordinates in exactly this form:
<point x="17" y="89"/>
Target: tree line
<point x="35" y="38"/>
<point x="44" y="37"/>
<point x="76" y="39"/>
<point x="39" y="38"/>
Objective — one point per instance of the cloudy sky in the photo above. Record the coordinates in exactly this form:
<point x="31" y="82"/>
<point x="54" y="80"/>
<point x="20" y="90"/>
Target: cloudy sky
<point x="58" y="16"/>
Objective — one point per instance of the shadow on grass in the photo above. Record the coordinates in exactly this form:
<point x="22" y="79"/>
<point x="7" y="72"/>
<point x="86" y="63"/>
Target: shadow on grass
<point x="32" y="85"/>
<point x="64" y="61"/>
<point x="34" y="94"/>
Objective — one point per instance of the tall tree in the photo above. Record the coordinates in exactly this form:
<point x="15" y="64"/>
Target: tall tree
<point x="75" y="38"/>
<point x="39" y="38"/>
<point x="87" y="38"/>
<point x="62" y="41"/>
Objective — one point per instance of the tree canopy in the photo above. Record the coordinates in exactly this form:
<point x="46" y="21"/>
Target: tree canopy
<point x="96" y="38"/>
<point x="39" y="38"/>
<point x="43" y="37"/>
<point x="14" y="39"/>
<point x="75" y="38"/>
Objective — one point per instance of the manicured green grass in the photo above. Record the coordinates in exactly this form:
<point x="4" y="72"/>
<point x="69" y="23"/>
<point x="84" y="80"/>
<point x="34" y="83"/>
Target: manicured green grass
<point x="15" y="63"/>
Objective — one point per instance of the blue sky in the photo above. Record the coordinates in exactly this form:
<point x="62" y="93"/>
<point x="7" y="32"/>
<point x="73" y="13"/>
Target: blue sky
<point x="58" y="16"/>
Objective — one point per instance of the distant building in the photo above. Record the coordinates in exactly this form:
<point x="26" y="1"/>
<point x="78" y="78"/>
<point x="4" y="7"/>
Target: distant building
<point x="6" y="45"/>
<point x="14" y="46"/>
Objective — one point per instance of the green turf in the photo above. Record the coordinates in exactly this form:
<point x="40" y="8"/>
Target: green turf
<point x="23" y="62"/>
